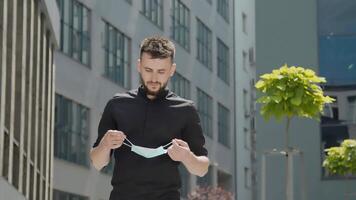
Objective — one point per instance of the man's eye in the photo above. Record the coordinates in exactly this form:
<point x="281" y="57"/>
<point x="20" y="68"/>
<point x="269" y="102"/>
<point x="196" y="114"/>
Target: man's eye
<point x="161" y="72"/>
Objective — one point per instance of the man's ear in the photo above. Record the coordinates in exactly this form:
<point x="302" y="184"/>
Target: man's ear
<point x="173" y="69"/>
<point x="138" y="65"/>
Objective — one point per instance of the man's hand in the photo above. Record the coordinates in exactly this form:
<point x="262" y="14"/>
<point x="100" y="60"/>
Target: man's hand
<point x="179" y="150"/>
<point x="112" y="139"/>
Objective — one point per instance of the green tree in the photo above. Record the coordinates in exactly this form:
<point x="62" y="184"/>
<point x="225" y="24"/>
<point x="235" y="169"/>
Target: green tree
<point x="341" y="160"/>
<point x="291" y="92"/>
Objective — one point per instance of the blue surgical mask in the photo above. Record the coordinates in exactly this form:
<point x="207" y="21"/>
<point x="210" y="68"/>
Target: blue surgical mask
<point x="147" y="152"/>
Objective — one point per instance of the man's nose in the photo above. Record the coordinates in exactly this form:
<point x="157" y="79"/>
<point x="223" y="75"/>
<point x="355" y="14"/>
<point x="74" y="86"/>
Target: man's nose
<point x="154" y="77"/>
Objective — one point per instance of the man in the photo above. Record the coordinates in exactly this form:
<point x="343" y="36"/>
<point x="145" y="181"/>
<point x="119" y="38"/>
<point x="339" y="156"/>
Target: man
<point x="150" y="131"/>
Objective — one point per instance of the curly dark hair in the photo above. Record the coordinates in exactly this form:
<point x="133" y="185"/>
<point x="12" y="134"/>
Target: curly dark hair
<point x="158" y="47"/>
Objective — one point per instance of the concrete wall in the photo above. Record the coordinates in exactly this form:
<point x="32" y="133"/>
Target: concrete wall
<point x="245" y="72"/>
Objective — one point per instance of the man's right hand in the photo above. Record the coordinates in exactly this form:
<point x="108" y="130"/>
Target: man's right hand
<point x="112" y="139"/>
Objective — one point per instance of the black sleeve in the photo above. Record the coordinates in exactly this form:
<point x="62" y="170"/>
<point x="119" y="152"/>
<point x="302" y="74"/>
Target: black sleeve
<point x="193" y="133"/>
<point x="106" y="123"/>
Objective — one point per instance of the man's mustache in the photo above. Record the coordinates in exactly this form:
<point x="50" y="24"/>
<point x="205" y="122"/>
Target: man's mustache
<point x="150" y="82"/>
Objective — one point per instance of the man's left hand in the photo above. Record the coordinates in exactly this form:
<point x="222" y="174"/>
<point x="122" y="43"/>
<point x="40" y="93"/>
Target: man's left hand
<point x="179" y="150"/>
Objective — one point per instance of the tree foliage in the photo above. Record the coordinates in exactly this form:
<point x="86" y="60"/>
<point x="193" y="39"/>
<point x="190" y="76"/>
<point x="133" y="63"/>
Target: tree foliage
<point x="291" y="91"/>
<point x="341" y="160"/>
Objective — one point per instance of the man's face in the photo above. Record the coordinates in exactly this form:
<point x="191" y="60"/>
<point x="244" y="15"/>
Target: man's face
<point x="155" y="73"/>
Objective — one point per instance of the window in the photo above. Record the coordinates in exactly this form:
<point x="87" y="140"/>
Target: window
<point x="153" y="10"/>
<point x="206" y="180"/>
<point x="181" y="86"/>
<point x="204" y="44"/>
<point x="351" y="109"/>
<point x="244" y="23"/>
<point x="181" y="24"/>
<point x="245" y="103"/>
<point x="336" y="128"/>
<point x="252" y="111"/>
<point x="117" y="47"/>
<point x="335" y="111"/>
<point x="247" y="177"/>
<point x="251" y="56"/>
<point x="336" y="42"/>
<point x="223" y="61"/>
<point x="205" y="110"/>
<point x="6" y="149"/>
<point x="223" y="125"/>
<point x="60" y="195"/>
<point x="246" y="138"/>
<point x="244" y="60"/>
<point x="252" y="123"/>
<point x="223" y="9"/>
<point x="75" y="34"/>
<point x="71" y="131"/>
<point x="224" y="180"/>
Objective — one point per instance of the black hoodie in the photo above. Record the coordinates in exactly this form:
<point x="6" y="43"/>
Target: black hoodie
<point x="149" y="123"/>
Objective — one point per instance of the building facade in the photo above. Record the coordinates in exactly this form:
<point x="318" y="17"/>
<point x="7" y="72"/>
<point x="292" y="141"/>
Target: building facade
<point x="98" y="53"/>
<point x="245" y="73"/>
<point x="29" y="36"/>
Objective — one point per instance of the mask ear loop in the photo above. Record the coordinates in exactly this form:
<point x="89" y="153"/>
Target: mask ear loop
<point x="129" y="145"/>
<point x="167" y="145"/>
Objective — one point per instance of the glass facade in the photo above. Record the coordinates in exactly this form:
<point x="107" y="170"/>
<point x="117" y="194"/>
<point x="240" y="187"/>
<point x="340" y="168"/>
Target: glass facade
<point x="223" y="61"/>
<point x="204" y="44"/>
<point x="153" y="10"/>
<point x="75" y="30"/>
<point x="71" y="131"/>
<point x="61" y="195"/>
<point x="180" y="86"/>
<point x="181" y="24"/>
<point x="205" y="110"/>
<point x="223" y="125"/>
<point x="223" y="9"/>
<point x="117" y="48"/>
<point x="337" y="60"/>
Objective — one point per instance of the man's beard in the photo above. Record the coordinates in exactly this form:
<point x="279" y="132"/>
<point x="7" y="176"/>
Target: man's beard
<point x="150" y="92"/>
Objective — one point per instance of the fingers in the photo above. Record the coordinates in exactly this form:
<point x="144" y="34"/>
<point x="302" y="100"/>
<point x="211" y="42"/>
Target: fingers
<point x="180" y="142"/>
<point x="172" y="153"/>
<point x="115" y="134"/>
<point x="174" y="149"/>
<point x="116" y="146"/>
<point x="176" y="152"/>
<point x="115" y="143"/>
<point x="114" y="138"/>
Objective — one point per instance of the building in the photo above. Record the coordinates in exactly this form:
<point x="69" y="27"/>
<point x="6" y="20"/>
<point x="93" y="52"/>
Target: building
<point x="97" y="58"/>
<point x="245" y="73"/>
<point x="314" y="34"/>
<point x="339" y="122"/>
<point x="29" y="35"/>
